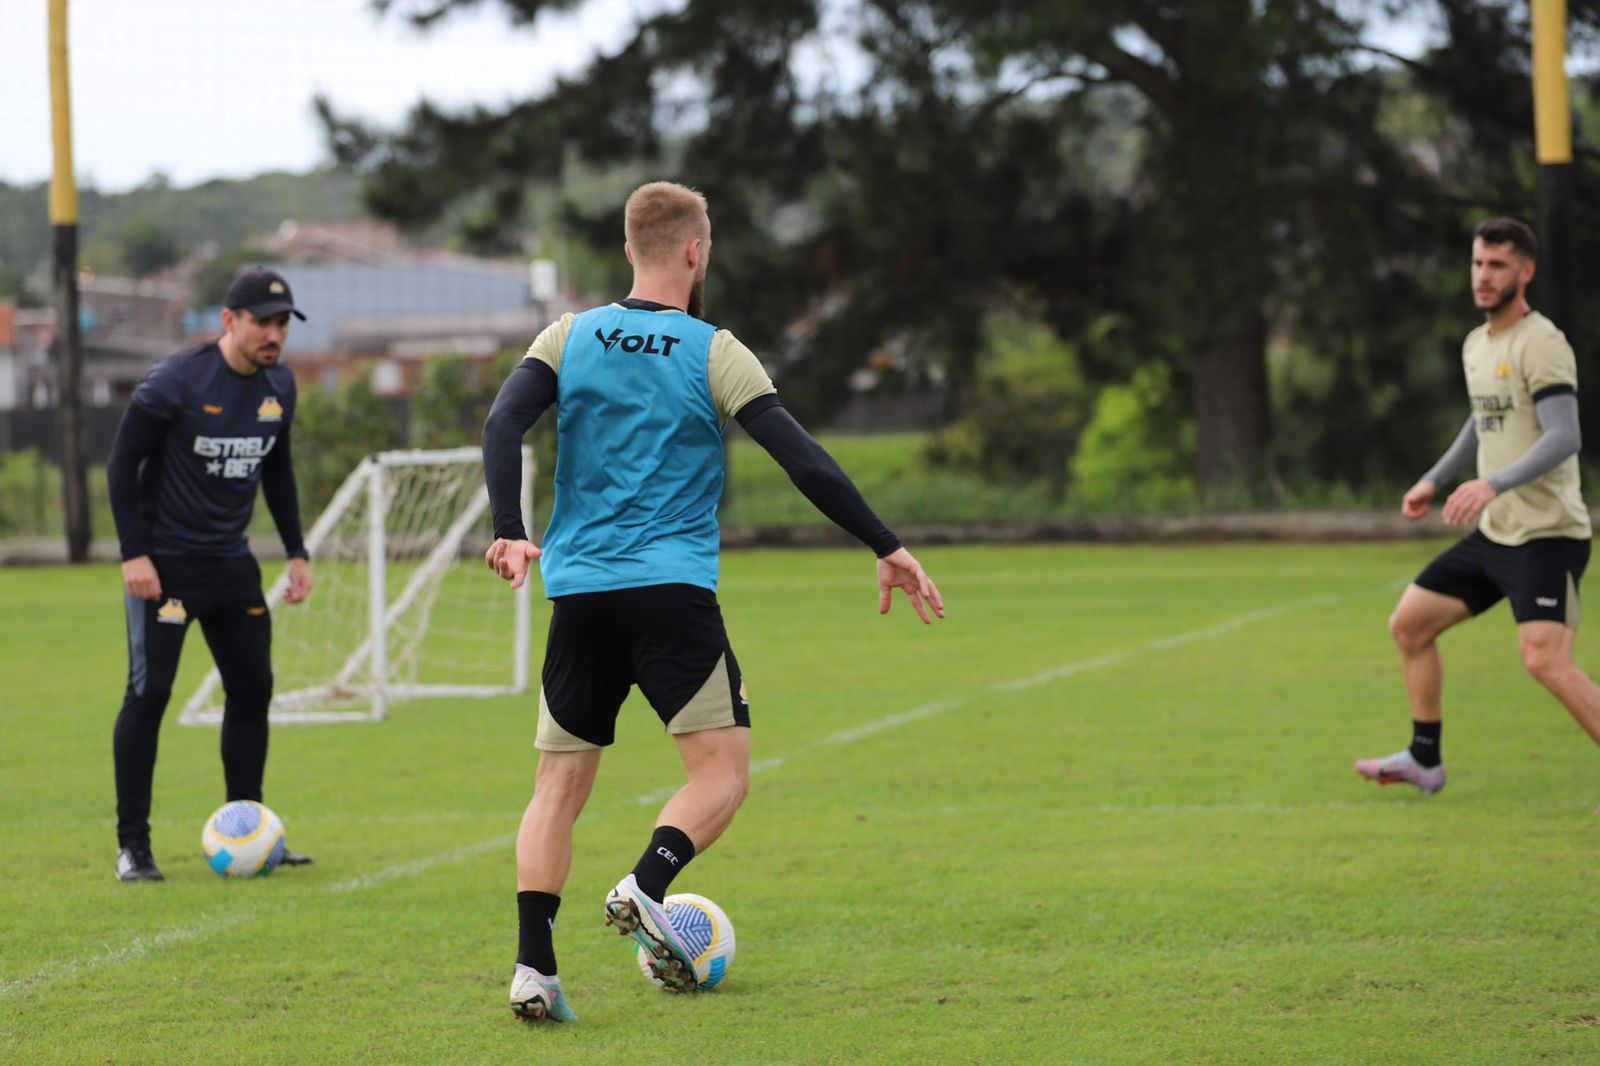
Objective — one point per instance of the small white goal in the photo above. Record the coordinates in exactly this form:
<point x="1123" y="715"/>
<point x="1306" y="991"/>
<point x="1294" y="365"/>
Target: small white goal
<point x="401" y="605"/>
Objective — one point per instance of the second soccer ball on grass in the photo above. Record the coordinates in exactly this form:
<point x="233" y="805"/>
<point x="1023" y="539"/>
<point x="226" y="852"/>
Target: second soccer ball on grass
<point x="243" y="839"/>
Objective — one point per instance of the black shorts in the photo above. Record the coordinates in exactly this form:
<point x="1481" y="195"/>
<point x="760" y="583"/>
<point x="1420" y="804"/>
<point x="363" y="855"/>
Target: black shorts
<point x="1540" y="577"/>
<point x="667" y="639"/>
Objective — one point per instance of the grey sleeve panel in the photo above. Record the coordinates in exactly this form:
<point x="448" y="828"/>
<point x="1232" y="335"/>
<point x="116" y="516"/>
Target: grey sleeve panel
<point x="1558" y="418"/>
<point x="1456" y="456"/>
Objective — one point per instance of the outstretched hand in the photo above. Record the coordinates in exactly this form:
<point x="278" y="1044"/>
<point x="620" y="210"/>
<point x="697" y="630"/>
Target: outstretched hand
<point x="900" y="569"/>
<point x="511" y="558"/>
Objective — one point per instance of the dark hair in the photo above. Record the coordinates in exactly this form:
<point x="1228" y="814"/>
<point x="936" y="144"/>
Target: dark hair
<point x="1509" y="231"/>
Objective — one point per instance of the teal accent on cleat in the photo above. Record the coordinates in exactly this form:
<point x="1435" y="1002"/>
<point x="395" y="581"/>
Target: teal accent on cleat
<point x="1402" y="768"/>
<point x="634" y="914"/>
<point x="537" y="998"/>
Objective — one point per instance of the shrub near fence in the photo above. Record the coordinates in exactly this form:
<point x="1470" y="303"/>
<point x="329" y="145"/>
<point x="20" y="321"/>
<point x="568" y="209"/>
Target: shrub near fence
<point x="30" y="497"/>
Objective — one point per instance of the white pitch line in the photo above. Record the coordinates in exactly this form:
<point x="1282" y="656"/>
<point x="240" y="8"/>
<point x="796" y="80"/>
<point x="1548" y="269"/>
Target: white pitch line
<point x="861" y="732"/>
<point x="1055" y="673"/>
<point x="1065" y="670"/>
<point x="137" y="948"/>
<point x="177" y="934"/>
<point x="418" y="866"/>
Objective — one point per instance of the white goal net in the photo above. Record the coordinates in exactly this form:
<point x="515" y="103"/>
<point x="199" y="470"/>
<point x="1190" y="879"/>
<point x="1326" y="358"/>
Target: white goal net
<point x="397" y="610"/>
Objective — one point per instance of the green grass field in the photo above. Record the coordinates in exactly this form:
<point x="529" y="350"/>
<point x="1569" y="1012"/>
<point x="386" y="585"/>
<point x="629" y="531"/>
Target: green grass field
<point x="1104" y="814"/>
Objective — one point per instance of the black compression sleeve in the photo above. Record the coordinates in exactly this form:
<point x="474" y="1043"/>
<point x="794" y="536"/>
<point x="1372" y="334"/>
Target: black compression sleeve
<point x="529" y="390"/>
<point x="139" y="437"/>
<point x="283" y="496"/>
<point x="815" y="473"/>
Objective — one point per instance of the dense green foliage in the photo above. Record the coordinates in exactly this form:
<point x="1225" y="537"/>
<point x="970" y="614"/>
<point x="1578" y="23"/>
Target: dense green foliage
<point x="333" y="433"/>
<point x="1275" y="206"/>
<point x="1103" y="814"/>
<point x="1268" y="208"/>
<point x="30" y="496"/>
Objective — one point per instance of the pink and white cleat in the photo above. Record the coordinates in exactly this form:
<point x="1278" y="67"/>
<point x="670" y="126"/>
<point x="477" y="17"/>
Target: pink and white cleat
<point x="537" y="998"/>
<point x="1400" y="768"/>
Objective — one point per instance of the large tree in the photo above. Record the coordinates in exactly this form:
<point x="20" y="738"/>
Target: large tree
<point x="961" y="165"/>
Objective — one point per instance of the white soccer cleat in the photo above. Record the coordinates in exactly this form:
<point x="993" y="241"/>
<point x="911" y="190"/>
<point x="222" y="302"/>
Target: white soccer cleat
<point x="1402" y="768"/>
<point x="536" y="998"/>
<point x="637" y="915"/>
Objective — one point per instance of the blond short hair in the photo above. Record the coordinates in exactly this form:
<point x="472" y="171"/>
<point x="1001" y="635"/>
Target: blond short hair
<point x="660" y="217"/>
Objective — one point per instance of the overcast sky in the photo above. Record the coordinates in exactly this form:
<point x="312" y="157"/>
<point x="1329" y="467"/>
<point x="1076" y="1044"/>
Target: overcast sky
<point x="199" y="89"/>
<point x="222" y="88"/>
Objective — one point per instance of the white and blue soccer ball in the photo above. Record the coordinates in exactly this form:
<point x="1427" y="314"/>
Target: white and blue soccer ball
<point x="704" y="928"/>
<point x="243" y="839"/>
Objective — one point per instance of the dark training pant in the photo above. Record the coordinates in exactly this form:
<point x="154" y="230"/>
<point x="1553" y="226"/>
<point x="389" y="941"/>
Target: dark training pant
<point x="225" y="595"/>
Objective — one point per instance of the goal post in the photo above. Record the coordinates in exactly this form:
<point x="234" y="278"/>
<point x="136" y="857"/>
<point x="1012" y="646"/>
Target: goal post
<point x="393" y="613"/>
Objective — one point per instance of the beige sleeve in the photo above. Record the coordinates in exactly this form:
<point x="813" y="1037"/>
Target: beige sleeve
<point x="1548" y="360"/>
<point x="736" y="375"/>
<point x="547" y="346"/>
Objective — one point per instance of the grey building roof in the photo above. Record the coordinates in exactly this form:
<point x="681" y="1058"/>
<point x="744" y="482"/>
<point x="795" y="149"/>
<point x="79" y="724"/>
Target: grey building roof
<point x="330" y="294"/>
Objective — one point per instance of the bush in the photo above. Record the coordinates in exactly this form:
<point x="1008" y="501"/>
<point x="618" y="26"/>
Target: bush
<point x="1137" y="453"/>
<point x="1029" y="407"/>
<point x="334" y="433"/>
<point x="455" y="397"/>
<point x="30" y="497"/>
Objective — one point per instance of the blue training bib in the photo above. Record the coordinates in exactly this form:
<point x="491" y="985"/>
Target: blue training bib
<point x="639" y="455"/>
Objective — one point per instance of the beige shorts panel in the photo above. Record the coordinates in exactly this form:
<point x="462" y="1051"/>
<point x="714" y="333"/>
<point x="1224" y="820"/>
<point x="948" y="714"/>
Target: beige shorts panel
<point x="711" y="707"/>
<point x="551" y="737"/>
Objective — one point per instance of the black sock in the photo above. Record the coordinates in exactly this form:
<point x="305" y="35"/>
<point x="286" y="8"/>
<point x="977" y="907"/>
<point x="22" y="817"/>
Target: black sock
<point x="669" y="852"/>
<point x="1425" y="743"/>
<point x="536" y="919"/>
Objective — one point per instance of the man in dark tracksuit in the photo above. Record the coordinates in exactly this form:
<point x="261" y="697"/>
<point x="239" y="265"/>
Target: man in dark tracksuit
<point x="204" y="428"/>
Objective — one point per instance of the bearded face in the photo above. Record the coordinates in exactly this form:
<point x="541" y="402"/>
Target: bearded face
<point x="697" y="297"/>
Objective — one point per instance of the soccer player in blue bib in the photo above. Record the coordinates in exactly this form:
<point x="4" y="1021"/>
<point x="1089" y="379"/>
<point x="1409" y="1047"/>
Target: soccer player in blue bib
<point x="642" y="389"/>
<point x="205" y="429"/>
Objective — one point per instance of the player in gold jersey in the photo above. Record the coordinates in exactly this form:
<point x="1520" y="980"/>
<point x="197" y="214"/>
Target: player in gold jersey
<point x="1532" y="540"/>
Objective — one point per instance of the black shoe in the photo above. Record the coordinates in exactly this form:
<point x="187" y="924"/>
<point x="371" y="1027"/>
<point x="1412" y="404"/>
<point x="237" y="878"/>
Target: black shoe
<point x="291" y="858"/>
<point x="137" y="864"/>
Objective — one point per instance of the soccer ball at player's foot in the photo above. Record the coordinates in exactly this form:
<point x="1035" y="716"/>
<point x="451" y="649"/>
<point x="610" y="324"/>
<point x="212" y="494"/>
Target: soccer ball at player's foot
<point x="705" y="930"/>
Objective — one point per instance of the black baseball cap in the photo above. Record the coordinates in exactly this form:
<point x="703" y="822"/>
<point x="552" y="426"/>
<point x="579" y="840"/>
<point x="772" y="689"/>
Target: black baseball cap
<point x="262" y="292"/>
